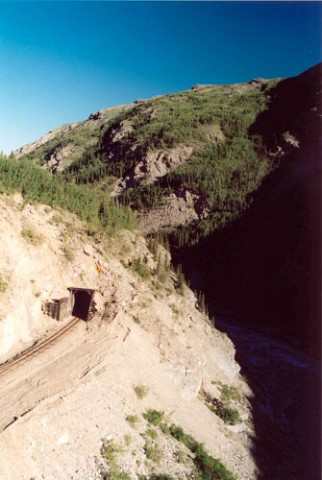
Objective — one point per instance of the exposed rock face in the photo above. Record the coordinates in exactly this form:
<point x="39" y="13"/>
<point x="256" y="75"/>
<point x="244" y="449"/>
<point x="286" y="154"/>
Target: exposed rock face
<point x="51" y="135"/>
<point x="152" y="165"/>
<point x="178" y="209"/>
<point x="158" y="163"/>
<point x="60" y="157"/>
<point x="144" y="164"/>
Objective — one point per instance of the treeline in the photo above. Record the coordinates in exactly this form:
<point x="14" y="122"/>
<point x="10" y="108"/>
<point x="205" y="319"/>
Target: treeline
<point x="37" y="185"/>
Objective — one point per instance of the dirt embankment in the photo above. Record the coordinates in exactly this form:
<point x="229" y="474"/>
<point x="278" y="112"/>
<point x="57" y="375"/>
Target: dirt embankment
<point x="57" y="407"/>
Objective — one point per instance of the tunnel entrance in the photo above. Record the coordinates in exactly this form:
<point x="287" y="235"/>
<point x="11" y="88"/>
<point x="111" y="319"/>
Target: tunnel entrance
<point x="82" y="302"/>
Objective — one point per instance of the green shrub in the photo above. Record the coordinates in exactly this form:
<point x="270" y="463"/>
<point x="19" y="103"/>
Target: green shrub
<point x="229" y="393"/>
<point x="152" y="451"/>
<point x="151" y="433"/>
<point x="178" y="433"/>
<point x="227" y="414"/>
<point x="208" y="467"/>
<point x="154" y="417"/>
<point x="141" y="391"/>
<point x="110" y="452"/>
<point x="133" y="420"/>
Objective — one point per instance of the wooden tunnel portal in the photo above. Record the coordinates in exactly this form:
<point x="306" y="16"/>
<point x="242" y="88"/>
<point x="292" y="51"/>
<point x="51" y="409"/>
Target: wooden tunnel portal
<point x="81" y="302"/>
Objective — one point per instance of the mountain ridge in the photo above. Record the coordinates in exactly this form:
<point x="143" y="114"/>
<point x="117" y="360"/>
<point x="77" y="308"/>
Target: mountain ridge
<point x="194" y="163"/>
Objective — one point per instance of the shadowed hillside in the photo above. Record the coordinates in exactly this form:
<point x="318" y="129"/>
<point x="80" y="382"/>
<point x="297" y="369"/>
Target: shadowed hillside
<point x="266" y="266"/>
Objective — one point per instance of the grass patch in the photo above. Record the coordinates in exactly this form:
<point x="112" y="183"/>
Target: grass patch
<point x="152" y="451"/>
<point x="154" y="417"/>
<point x="151" y="433"/>
<point x="133" y="420"/>
<point x="141" y="391"/>
<point x="110" y="452"/>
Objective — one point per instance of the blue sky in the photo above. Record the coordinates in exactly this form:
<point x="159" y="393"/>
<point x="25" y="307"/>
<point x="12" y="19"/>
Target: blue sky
<point x="61" y="61"/>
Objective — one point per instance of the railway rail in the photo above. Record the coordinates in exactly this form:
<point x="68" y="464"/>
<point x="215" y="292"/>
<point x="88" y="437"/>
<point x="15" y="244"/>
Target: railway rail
<point x="36" y="348"/>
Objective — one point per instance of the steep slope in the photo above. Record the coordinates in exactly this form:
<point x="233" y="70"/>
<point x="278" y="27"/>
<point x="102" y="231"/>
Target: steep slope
<point x="146" y="333"/>
<point x="68" y="144"/>
<point x="266" y="267"/>
<point x="190" y="152"/>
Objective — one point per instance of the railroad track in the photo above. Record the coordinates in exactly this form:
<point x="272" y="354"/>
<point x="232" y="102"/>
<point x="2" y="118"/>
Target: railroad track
<point x="36" y="348"/>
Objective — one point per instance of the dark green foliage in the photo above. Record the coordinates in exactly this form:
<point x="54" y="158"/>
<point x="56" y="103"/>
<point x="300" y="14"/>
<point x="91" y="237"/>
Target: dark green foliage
<point x="226" y="167"/>
<point x="228" y="414"/>
<point x="110" y="452"/>
<point x="178" y="433"/>
<point x="154" y="417"/>
<point x="208" y="467"/>
<point x="144" y="196"/>
<point x="228" y="393"/>
<point x="37" y="185"/>
<point x="227" y="164"/>
<point x="87" y="169"/>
